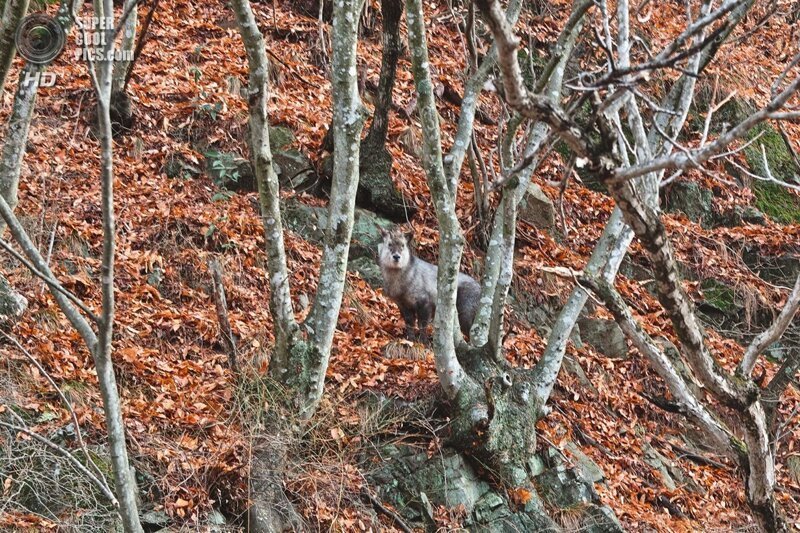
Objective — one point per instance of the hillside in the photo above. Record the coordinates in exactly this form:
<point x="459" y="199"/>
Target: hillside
<point x="190" y="424"/>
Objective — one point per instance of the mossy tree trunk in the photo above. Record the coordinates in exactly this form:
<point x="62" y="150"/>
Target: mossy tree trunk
<point x="633" y="177"/>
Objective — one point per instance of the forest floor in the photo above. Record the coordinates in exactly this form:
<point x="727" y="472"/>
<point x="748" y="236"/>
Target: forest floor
<point x="183" y="409"/>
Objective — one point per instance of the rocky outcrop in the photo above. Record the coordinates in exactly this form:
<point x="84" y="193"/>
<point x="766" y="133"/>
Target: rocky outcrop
<point x="310" y="222"/>
<point x="604" y="335"/>
<point x="414" y="485"/>
<point x="689" y="198"/>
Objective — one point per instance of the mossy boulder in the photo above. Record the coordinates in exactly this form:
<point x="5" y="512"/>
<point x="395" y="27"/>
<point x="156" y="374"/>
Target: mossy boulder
<point x="310" y="223"/>
<point x="604" y="335"/>
<point x="775" y="200"/>
<point x="294" y="168"/>
<point x="414" y="484"/>
<point x="719" y="296"/>
<point x="692" y="200"/>
<point x="376" y="190"/>
<point x="280" y="137"/>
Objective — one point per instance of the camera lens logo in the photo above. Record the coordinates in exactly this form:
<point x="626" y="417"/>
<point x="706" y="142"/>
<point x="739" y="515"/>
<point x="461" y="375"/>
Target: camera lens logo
<point x="39" y="39"/>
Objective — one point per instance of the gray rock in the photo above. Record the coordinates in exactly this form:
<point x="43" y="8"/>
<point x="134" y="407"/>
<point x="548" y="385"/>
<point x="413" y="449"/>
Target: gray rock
<point x="563" y="488"/>
<point x="671" y="474"/>
<point x="216" y="520"/>
<point x="601" y="519"/>
<point x="691" y="200"/>
<point x="294" y="169"/>
<point x="535" y="465"/>
<point x="605" y="336"/>
<point x="376" y="190"/>
<point x="778" y="269"/>
<point x="280" y="137"/>
<point x="537" y="209"/>
<point x="310" y="222"/>
<point x="155" y="278"/>
<point x="12" y="303"/>
<point x="740" y="216"/>
<point x="230" y="171"/>
<point x="587" y="468"/>
<point x="155" y="518"/>
<point x="368" y="270"/>
<point x="415" y="484"/>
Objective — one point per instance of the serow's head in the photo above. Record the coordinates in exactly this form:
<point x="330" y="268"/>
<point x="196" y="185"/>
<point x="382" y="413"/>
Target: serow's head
<point x="395" y="250"/>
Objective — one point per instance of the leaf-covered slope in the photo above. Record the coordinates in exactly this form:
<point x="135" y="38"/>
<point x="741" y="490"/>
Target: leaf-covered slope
<point x="182" y="406"/>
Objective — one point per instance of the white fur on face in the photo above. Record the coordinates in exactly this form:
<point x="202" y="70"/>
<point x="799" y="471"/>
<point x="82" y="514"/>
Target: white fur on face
<point x="393" y="252"/>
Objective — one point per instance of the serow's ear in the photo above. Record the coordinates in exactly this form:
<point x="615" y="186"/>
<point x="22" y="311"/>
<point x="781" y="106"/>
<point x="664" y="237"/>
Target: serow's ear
<point x="409" y="237"/>
<point x="384" y="233"/>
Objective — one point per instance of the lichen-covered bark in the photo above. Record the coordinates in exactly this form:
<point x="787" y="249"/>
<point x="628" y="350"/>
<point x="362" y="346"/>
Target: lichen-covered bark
<point x="607" y="155"/>
<point x="268" y="190"/>
<point x="443" y="190"/>
<point x="17" y="136"/>
<point x="21" y="114"/>
<point x="13" y="12"/>
<point x="348" y="121"/>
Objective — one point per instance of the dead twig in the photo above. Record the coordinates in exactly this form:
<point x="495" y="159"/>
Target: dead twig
<point x="221" y="305"/>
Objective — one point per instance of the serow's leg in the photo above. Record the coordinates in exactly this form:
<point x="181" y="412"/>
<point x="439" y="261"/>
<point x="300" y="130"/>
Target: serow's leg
<point x="410" y="318"/>
<point x="424" y="314"/>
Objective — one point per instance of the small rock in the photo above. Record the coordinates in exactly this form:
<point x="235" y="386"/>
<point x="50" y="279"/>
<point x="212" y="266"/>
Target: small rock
<point x="12" y="303"/>
<point x="215" y="518"/>
<point x="605" y="336"/>
<point x="537" y="209"/>
<point x="155" y="278"/>
<point x="155" y="518"/>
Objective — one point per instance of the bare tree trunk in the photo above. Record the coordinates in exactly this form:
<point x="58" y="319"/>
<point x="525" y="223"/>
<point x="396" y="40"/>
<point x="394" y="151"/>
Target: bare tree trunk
<point x="13" y="12"/>
<point x="22" y="111"/>
<point x="268" y="190"/>
<point x="348" y="121"/>
<point x="17" y="135"/>
<point x="118" y="82"/>
<point x="123" y="476"/>
<point x="391" y="11"/>
<point x="99" y="343"/>
<point x="443" y="189"/>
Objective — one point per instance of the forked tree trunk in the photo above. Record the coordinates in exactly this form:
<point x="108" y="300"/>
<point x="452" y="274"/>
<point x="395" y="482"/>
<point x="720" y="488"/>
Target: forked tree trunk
<point x="300" y="358"/>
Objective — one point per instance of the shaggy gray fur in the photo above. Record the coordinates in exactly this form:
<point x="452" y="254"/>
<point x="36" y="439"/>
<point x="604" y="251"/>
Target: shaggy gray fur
<point x="411" y="283"/>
